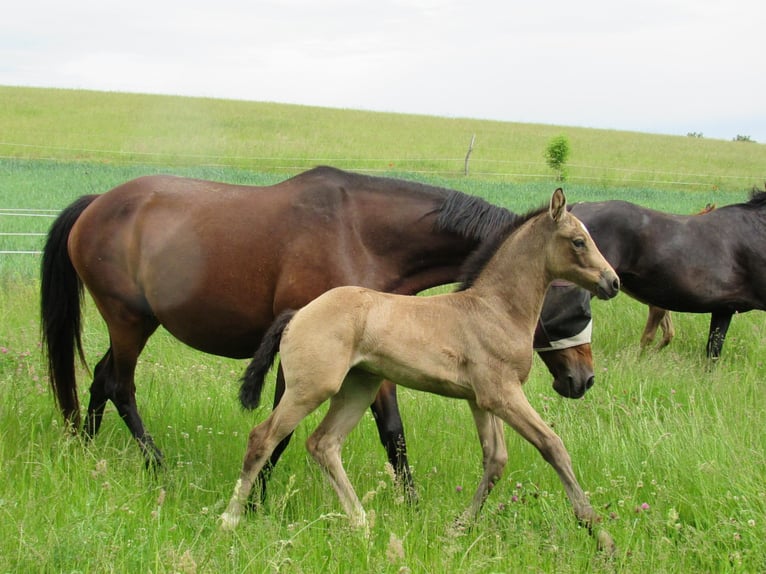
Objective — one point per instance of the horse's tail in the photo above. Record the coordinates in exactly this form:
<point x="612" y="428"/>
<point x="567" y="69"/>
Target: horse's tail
<point x="255" y="374"/>
<point x="61" y="293"/>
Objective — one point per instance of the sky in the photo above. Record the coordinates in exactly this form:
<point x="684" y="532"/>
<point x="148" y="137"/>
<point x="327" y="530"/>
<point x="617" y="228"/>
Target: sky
<point x="659" y="66"/>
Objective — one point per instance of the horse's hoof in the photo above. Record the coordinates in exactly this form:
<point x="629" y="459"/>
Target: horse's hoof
<point x="605" y="543"/>
<point x="229" y="521"/>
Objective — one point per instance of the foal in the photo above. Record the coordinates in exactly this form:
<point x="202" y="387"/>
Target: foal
<point x="474" y="344"/>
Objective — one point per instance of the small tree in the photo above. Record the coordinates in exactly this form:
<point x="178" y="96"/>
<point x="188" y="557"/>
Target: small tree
<point x="556" y="155"/>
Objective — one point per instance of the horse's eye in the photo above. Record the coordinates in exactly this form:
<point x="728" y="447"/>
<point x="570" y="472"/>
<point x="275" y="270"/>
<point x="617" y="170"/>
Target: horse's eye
<point x="579" y="243"/>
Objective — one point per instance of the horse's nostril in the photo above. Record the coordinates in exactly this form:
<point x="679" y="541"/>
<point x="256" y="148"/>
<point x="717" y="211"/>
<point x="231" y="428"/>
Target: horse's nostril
<point x="590" y="382"/>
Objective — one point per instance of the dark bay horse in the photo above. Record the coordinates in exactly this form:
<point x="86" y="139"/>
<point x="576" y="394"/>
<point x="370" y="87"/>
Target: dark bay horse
<point x="474" y="344"/>
<point x="659" y="318"/>
<point x="713" y="262"/>
<point x="215" y="264"/>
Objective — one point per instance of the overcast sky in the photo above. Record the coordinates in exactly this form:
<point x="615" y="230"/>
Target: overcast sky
<point x="664" y="66"/>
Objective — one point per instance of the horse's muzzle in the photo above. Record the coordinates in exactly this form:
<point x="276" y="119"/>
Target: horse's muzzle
<point x="567" y="387"/>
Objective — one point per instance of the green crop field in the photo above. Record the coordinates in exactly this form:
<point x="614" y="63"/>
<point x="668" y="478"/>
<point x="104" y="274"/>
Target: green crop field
<point x="669" y="446"/>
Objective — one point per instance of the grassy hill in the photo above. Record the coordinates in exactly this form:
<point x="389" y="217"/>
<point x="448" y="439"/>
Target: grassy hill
<point x="266" y="137"/>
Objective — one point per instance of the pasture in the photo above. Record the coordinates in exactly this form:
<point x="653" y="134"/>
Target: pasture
<point x="669" y="447"/>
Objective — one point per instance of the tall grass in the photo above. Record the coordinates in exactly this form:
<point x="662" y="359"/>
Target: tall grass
<point x="669" y="446"/>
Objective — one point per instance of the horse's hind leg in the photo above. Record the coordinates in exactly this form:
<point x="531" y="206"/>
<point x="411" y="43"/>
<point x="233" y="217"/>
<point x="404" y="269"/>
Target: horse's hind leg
<point x="514" y="408"/>
<point x="668" y="330"/>
<point x="385" y="409"/>
<point x="346" y="409"/>
<point x="719" y="325"/>
<point x="98" y="395"/>
<point x="495" y="457"/>
<point x="114" y="379"/>
<point x="262" y="440"/>
<point x="265" y="472"/>
<point x="658" y="318"/>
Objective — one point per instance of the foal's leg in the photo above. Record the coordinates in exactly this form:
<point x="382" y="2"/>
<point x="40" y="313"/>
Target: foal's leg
<point x="719" y="325"/>
<point x="495" y="456"/>
<point x="514" y="408"/>
<point x="293" y="408"/>
<point x="265" y="473"/>
<point x="346" y="408"/>
<point x="385" y="409"/>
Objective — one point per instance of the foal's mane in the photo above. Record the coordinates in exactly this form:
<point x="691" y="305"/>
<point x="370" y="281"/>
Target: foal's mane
<point x="477" y="261"/>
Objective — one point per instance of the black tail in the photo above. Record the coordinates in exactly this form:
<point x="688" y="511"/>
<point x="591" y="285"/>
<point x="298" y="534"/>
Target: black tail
<point x="255" y="374"/>
<point x="61" y="295"/>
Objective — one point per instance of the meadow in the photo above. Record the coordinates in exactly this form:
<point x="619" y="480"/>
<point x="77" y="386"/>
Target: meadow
<point x="669" y="446"/>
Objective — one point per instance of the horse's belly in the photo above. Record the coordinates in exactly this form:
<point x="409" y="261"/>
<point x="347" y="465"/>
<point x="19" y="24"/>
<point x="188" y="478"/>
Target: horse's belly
<point x="226" y="335"/>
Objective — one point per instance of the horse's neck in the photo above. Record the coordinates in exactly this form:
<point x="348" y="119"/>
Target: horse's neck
<point x="423" y="257"/>
<point x="516" y="277"/>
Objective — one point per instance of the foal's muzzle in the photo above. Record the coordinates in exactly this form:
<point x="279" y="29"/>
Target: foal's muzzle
<point x="608" y="285"/>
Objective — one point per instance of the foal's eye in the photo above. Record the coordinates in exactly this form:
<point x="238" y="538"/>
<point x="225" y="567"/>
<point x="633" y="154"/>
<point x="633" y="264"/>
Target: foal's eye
<point x="579" y="243"/>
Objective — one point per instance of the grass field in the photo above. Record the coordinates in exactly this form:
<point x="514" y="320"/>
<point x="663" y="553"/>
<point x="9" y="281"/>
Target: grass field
<point x="264" y="137"/>
<point x="670" y="447"/>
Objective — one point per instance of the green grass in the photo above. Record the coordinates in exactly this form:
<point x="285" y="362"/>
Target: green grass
<point x="178" y="131"/>
<point x="663" y="429"/>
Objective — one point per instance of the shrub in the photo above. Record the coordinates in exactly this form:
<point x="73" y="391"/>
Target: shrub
<point x="556" y="155"/>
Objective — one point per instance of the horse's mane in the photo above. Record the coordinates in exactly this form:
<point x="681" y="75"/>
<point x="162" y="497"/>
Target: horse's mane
<point x="471" y="216"/>
<point x="757" y="198"/>
<point x="477" y="261"/>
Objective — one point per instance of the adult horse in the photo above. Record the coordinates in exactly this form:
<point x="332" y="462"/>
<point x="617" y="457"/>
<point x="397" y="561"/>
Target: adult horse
<point x="659" y="318"/>
<point x="712" y="262"/>
<point x="474" y="344"/>
<point x="215" y="264"/>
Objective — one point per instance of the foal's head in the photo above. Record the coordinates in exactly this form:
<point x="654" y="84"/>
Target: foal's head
<point x="572" y="254"/>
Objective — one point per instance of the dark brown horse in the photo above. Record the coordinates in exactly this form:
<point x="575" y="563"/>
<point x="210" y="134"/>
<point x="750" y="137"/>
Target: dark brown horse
<point x="215" y="264"/>
<point x="713" y="262"/>
<point x="659" y="318"/>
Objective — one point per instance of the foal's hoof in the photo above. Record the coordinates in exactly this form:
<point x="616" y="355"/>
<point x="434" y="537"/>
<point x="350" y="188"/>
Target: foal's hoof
<point x="605" y="543"/>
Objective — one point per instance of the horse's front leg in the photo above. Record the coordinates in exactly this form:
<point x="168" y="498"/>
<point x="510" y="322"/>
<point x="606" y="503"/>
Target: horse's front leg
<point x="719" y="325"/>
<point x="513" y="407"/>
<point x="385" y="410"/>
<point x="494" y="458"/>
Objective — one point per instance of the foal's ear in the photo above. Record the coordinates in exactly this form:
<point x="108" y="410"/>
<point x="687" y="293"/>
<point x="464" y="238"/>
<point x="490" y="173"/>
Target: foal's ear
<point x="558" y="205"/>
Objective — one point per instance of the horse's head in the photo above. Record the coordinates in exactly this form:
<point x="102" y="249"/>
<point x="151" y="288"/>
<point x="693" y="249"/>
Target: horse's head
<point x="573" y="255"/>
<point x="562" y="338"/>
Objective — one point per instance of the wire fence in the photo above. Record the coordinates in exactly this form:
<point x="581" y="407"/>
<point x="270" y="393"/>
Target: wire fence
<point x="507" y="169"/>
<point x="28" y="240"/>
<point x="9" y="240"/>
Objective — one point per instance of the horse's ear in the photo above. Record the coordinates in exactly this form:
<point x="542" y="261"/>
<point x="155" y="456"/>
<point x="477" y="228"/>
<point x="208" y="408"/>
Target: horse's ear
<point x="558" y="205"/>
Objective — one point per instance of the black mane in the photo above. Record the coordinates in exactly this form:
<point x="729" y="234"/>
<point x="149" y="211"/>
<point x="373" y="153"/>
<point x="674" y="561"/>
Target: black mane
<point x="757" y="198"/>
<point x="471" y="216"/>
<point x="477" y="261"/>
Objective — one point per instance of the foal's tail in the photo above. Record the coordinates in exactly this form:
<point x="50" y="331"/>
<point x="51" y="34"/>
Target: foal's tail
<point x="61" y="294"/>
<point x="255" y="374"/>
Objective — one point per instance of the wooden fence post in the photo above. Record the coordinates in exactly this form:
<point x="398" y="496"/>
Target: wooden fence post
<point x="468" y="155"/>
